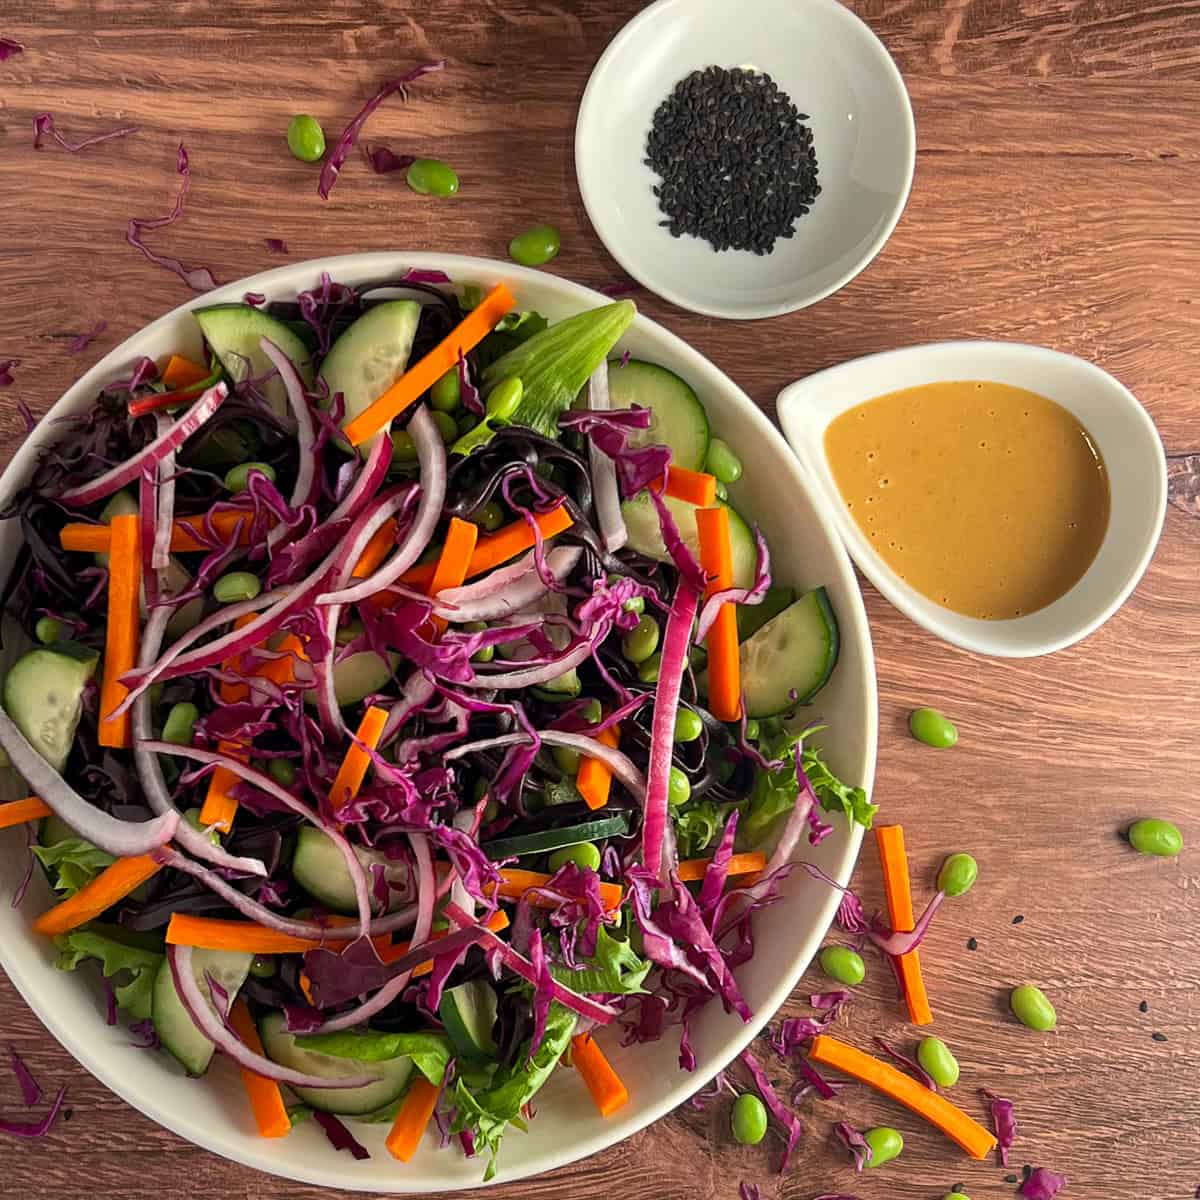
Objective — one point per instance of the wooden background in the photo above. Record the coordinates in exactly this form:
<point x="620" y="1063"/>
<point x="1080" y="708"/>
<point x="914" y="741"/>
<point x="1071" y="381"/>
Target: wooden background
<point x="1057" y="200"/>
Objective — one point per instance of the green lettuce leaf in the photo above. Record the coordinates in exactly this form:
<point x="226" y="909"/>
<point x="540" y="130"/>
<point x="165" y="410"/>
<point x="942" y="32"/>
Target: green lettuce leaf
<point x="72" y="863"/>
<point x="488" y="1111"/>
<point x="430" y="1052"/>
<point x="834" y="795"/>
<point x="135" y="966"/>
<point x="615" y="969"/>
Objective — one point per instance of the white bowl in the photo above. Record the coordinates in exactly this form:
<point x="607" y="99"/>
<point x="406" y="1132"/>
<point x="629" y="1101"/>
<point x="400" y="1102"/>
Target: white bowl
<point x="1120" y="427"/>
<point x="213" y="1112"/>
<point x="834" y="69"/>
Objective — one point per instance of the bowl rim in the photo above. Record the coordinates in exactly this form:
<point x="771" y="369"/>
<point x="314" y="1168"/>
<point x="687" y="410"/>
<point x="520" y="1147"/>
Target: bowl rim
<point x="591" y="99"/>
<point x="804" y="436"/>
<point x="229" y="1141"/>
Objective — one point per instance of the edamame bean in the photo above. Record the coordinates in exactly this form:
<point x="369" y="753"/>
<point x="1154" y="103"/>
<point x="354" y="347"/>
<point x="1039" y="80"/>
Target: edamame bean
<point x="404" y="449"/>
<point x="180" y="723"/>
<point x="1150" y="835"/>
<point x="722" y="462"/>
<point x="688" y="726"/>
<point x="679" y="788"/>
<point x="192" y="817"/>
<point x="929" y="726"/>
<point x="432" y="177"/>
<point x="1030" y="1006"/>
<point x="748" y="1120"/>
<point x="565" y="759"/>
<point x="282" y="770"/>
<point x="445" y="394"/>
<point x="535" y="246"/>
<point x="641" y="641"/>
<point x="958" y="874"/>
<point x="48" y="630"/>
<point x="591" y="711"/>
<point x="484" y="654"/>
<point x="504" y="399"/>
<point x="843" y="965"/>
<point x="956" y="1196"/>
<point x="237" y="479"/>
<point x="466" y="423"/>
<point x="306" y="138"/>
<point x="635" y="604"/>
<point x="886" y="1144"/>
<point x="647" y="672"/>
<point x="237" y="585"/>
<point x="447" y="426"/>
<point x="585" y="854"/>
<point x="934" y="1055"/>
<point x="262" y="966"/>
<point x="722" y="492"/>
<point x="490" y="517"/>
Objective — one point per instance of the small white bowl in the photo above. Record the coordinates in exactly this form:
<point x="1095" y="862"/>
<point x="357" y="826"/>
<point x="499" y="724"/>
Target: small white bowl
<point x="834" y="69"/>
<point x="1120" y="427"/>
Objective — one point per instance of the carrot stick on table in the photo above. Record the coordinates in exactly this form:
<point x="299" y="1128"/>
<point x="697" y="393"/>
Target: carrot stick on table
<point x="935" y="1108"/>
<point x="21" y="812"/>
<point x="420" y="377"/>
<point x="724" y="665"/>
<point x="121" y="632"/>
<point x="692" y="869"/>
<point x="890" y="839"/>
<point x="266" y="1100"/>
<point x="594" y="779"/>
<point x="354" y="766"/>
<point x="454" y="561"/>
<point x="602" y="1081"/>
<point x="112" y="884"/>
<point x="696" y="487"/>
<point x="413" y="1119"/>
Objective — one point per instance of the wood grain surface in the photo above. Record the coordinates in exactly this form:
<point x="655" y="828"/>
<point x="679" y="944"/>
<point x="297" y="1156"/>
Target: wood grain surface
<point x="1057" y="200"/>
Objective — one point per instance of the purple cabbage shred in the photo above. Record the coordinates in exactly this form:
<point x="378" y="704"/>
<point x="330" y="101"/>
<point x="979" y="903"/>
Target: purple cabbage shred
<point x="43" y="126"/>
<point x="9" y="48"/>
<point x="276" y="245"/>
<point x="383" y="161"/>
<point x="81" y="341"/>
<point x="910" y="1064"/>
<point x="1004" y="1123"/>
<point x="855" y="1143"/>
<point x="1042" y="1184"/>
<point x="6" y="370"/>
<point x="340" y="1138"/>
<point x="748" y="1191"/>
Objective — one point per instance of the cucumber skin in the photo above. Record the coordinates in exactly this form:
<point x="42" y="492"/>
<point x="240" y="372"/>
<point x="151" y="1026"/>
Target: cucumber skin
<point x="369" y="329"/>
<point x="233" y="332"/>
<point x="649" y="385"/>
<point x="752" y="617"/>
<point x="175" y="1029"/>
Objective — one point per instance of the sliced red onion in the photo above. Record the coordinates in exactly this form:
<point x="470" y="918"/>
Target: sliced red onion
<point x="328" y="710"/>
<point x="166" y="443"/>
<point x="38" y="1128"/>
<point x="307" y="483"/>
<point x="522" y="588"/>
<point x="676" y="640"/>
<point x="366" y="483"/>
<point x="750" y="595"/>
<point x="604" y="473"/>
<point x="431" y="456"/>
<point x="602" y="1014"/>
<point x="165" y="512"/>
<point x="122" y="839"/>
<point x="902" y="941"/>
<point x="414" y="695"/>
<point x="221" y="1036"/>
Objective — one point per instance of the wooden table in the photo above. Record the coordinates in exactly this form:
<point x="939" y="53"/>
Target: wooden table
<point x="1057" y="200"/>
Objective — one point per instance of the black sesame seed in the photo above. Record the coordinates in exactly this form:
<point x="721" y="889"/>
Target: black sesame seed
<point x="1010" y="1179"/>
<point x="958" y="1187"/>
<point x="68" y="1113"/>
<point x="1027" y="1170"/>
<point x="972" y="944"/>
<point x="1144" y="1006"/>
<point x="1018" y="919"/>
<point x="1159" y="1037"/>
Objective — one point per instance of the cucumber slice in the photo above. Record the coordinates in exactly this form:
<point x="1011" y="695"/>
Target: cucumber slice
<point x="469" y="1015"/>
<point x="555" y="839"/>
<point x="356" y="677"/>
<point x="372" y="354"/>
<point x="280" y="1046"/>
<point x="791" y="657"/>
<point x="319" y="868"/>
<point x="752" y="617"/>
<point x="645" y="534"/>
<point x="678" y="418"/>
<point x="175" y="1028"/>
<point x="234" y="331"/>
<point x="43" y="693"/>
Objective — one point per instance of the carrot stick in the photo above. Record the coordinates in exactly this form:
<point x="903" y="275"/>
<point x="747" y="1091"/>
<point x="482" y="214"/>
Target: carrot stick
<point x="266" y="1100"/>
<point x="390" y="953"/>
<point x="382" y="540"/>
<point x="602" y="1081"/>
<point x="220" y="806"/>
<point x="121" y="633"/>
<point x="935" y="1108"/>
<point x="724" y="666"/>
<point x="418" y="379"/>
<point x="185" y="533"/>
<point x="454" y="562"/>
<point x="692" y="869"/>
<point x="111" y="885"/>
<point x="695" y="487"/>
<point x="412" y="1119"/>
<point x="890" y="839"/>
<point x="354" y="766"/>
<point x="595" y="776"/>
<point x="20" y="812"/>
<point x="247" y="937"/>
<point x="515" y="882"/>
<point x="160" y="400"/>
<point x="493" y="549"/>
<point x="234" y="693"/>
<point x="180" y="372"/>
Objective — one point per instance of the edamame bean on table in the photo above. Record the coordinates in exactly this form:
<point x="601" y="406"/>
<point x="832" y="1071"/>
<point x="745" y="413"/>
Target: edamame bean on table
<point x="843" y="965"/>
<point x="936" y="1058"/>
<point x="432" y="177"/>
<point x="931" y="727"/>
<point x="748" y="1119"/>
<point x="306" y="138"/>
<point x="886" y="1144"/>
<point x="1156" y="837"/>
<point x="1031" y="1007"/>
<point x="958" y="874"/>
<point x="535" y="246"/>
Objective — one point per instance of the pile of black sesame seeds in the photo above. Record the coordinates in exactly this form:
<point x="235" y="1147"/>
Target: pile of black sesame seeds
<point x="736" y="160"/>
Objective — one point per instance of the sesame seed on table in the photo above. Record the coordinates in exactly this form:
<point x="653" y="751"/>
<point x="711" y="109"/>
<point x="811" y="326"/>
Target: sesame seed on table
<point x="1054" y="202"/>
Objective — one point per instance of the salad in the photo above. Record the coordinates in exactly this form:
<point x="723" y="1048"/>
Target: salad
<point x="404" y="706"/>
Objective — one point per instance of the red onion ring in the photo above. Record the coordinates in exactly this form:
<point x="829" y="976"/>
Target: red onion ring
<point x="307" y="483"/>
<point x="495" y="598"/>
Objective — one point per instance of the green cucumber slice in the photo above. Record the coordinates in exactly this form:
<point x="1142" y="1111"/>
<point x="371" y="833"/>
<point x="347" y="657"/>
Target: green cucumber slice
<point x="678" y="418"/>
<point x="319" y="868"/>
<point x="280" y="1046"/>
<point x="645" y="534"/>
<point x="234" y="332"/>
<point x="752" y="617"/>
<point x="469" y="1015"/>
<point x="371" y="354"/>
<point x="555" y="839"/>
<point x="791" y="657"/>
<point x="175" y="1028"/>
<point x="43" y="693"/>
<point x="356" y="677"/>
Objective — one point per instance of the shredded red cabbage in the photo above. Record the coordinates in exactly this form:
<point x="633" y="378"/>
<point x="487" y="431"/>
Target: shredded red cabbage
<point x="349" y="136"/>
<point x="43" y="126"/>
<point x="748" y="1191"/>
<point x="31" y="1094"/>
<point x="791" y="1123"/>
<point x="31" y="1091"/>
<point x="81" y="341"/>
<point x="6" y="370"/>
<point x="855" y="1143"/>
<point x="9" y="48"/>
<point x="276" y="245"/>
<point x="382" y="161"/>
<point x="340" y="1138"/>
<point x="910" y="1064"/>
<point x="1004" y="1123"/>
<point x="1042" y="1184"/>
